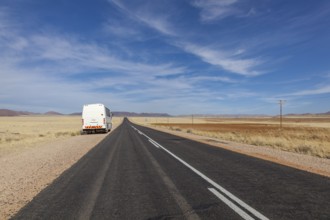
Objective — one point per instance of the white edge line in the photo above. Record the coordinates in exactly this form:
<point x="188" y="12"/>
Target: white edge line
<point x="223" y="190"/>
<point x="234" y="207"/>
<point x="154" y="143"/>
<point x="220" y="188"/>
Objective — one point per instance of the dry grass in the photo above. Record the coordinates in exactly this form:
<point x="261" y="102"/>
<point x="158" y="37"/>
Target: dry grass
<point x="301" y="134"/>
<point x="27" y="131"/>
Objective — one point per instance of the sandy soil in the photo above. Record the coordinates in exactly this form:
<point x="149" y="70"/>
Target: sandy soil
<point x="26" y="172"/>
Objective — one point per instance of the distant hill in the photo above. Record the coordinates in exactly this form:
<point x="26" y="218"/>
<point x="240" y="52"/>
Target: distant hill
<point x="52" y="113"/>
<point x="225" y="115"/>
<point x="7" y="112"/>
<point x="75" y="113"/>
<point x="133" y="114"/>
<point x="309" y="114"/>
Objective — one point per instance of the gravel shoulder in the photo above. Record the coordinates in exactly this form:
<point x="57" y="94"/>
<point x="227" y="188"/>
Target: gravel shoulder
<point x="307" y="163"/>
<point x="25" y="173"/>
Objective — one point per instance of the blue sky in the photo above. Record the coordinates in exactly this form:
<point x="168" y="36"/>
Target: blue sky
<point x="173" y="56"/>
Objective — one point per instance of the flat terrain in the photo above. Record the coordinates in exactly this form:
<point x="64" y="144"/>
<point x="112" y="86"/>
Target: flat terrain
<point x="34" y="151"/>
<point x="140" y="173"/>
<point x="24" y="132"/>
<point x="305" y="135"/>
<point x="29" y="162"/>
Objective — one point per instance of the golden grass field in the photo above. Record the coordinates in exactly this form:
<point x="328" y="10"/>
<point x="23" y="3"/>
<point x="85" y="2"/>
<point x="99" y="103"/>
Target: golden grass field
<point x="27" y="131"/>
<point x="305" y="135"/>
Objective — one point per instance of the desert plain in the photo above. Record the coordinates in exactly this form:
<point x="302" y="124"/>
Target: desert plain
<point x="301" y="134"/>
<point x="35" y="150"/>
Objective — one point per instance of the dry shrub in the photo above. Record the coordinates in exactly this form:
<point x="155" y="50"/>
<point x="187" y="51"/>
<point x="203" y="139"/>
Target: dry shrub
<point x="304" y="149"/>
<point x="313" y="141"/>
<point x="60" y="133"/>
<point x="75" y="133"/>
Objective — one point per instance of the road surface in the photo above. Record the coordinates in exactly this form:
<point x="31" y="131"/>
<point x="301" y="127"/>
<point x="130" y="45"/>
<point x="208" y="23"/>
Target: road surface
<point x="139" y="173"/>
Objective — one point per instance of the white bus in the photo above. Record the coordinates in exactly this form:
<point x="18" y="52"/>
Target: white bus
<point x="96" y="118"/>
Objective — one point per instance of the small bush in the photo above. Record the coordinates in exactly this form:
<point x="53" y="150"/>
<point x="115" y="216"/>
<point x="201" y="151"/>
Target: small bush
<point x="58" y="134"/>
<point x="75" y="133"/>
<point x="67" y="133"/>
<point x="9" y="139"/>
<point x="189" y="131"/>
<point x="304" y="149"/>
<point x="256" y="142"/>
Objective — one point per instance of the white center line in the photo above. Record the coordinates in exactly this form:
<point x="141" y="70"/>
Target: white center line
<point x="220" y="188"/>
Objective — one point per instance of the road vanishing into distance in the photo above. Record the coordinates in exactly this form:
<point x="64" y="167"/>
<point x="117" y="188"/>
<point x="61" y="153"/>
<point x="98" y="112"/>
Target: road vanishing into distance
<point x="140" y="173"/>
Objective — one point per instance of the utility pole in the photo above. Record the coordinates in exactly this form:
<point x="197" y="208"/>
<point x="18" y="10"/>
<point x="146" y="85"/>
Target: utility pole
<point x="192" y="120"/>
<point x="281" y="103"/>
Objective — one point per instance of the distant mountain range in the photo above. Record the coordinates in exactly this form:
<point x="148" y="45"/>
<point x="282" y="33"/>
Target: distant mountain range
<point x="133" y="114"/>
<point x="225" y="115"/>
<point x="308" y="114"/>
<point x="7" y="112"/>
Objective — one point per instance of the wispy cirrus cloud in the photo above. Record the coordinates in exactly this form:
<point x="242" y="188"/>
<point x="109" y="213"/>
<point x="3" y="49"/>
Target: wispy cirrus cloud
<point x="213" y="79"/>
<point x="227" y="60"/>
<point x="164" y="55"/>
<point x="155" y="19"/>
<point x="323" y="89"/>
<point x="215" y="9"/>
<point x="158" y="23"/>
<point x="68" y="55"/>
<point x="118" y="29"/>
<point x="302" y="95"/>
<point x="38" y="67"/>
<point x="230" y="62"/>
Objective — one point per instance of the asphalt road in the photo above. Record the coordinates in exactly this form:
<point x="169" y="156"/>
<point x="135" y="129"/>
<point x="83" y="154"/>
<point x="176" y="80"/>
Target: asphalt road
<point x="140" y="173"/>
